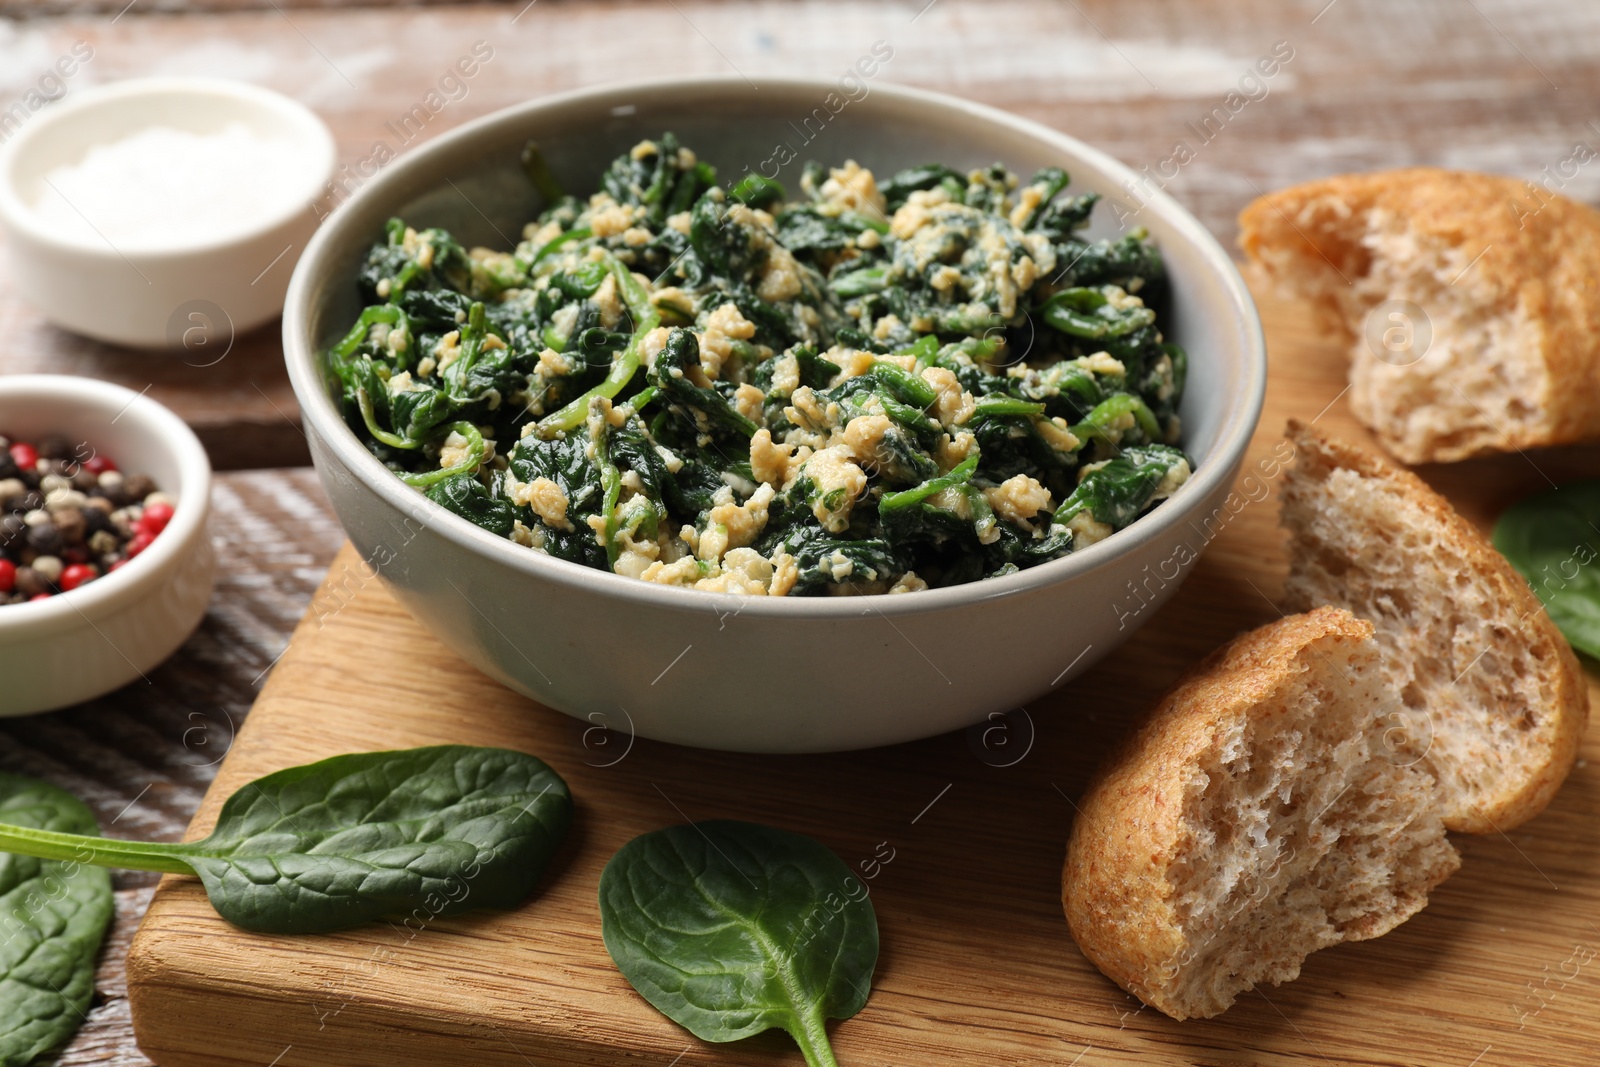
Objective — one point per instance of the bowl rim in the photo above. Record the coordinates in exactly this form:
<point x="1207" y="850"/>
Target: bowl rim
<point x="150" y="568"/>
<point x="322" y="419"/>
<point x="312" y="133"/>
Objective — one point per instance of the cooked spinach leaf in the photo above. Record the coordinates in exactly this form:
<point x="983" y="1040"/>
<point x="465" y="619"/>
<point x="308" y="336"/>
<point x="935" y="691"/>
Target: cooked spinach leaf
<point x="53" y="916"/>
<point x="1553" y="539"/>
<point x="416" y="833"/>
<point x="673" y="376"/>
<point x="748" y="374"/>
<point x="1089" y="313"/>
<point x="1119" y="489"/>
<point x="730" y="928"/>
<point x="473" y="501"/>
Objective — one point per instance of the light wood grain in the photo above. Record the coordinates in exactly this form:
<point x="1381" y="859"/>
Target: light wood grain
<point x="977" y="965"/>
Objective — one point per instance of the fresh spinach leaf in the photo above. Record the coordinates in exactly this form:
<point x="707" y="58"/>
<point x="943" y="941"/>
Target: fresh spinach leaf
<point x="53" y="916"/>
<point x="729" y="929"/>
<point x="420" y="833"/>
<point x="1553" y="539"/>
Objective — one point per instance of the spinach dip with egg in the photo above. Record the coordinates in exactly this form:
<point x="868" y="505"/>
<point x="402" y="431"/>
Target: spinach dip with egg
<point x="874" y="386"/>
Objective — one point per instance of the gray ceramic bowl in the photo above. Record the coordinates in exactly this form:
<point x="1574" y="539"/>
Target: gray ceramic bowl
<point x="751" y="674"/>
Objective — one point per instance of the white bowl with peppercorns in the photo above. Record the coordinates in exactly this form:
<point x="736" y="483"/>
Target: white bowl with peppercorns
<point x="105" y="563"/>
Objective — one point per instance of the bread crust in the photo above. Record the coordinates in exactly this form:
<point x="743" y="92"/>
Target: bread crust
<point x="1540" y="260"/>
<point x="1563" y="728"/>
<point x="1115" y="888"/>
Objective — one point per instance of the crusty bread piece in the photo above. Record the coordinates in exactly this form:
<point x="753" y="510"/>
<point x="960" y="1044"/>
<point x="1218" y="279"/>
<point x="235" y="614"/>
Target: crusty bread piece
<point x="1509" y="282"/>
<point x="1492" y="702"/>
<point x="1251" y="821"/>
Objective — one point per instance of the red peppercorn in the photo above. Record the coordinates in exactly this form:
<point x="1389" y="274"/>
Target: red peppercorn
<point x="98" y="464"/>
<point x="24" y="455"/>
<point x="140" y="542"/>
<point x="8" y="575"/>
<point x="115" y="566"/>
<point x="155" y="518"/>
<point x="40" y="596"/>
<point x="76" y="575"/>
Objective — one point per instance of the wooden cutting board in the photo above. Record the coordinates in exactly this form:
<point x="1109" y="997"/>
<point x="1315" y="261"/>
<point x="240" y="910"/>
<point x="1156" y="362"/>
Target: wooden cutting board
<point x="977" y="966"/>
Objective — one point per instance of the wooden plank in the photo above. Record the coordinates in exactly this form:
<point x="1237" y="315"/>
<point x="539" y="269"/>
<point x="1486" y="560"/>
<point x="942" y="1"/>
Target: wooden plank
<point x="978" y="965"/>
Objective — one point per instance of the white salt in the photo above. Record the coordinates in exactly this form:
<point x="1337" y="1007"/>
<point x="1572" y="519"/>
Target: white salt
<point x="164" y="188"/>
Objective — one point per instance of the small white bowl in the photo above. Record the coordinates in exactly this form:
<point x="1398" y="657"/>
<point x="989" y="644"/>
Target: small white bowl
<point x="179" y="296"/>
<point x="114" y="630"/>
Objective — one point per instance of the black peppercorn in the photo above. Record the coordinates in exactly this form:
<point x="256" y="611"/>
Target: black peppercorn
<point x="97" y="514"/>
<point x="96" y="523"/>
<point x="46" y="538"/>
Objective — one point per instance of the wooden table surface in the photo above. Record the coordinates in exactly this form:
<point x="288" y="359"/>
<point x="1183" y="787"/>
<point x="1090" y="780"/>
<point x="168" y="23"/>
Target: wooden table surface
<point x="1501" y="85"/>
